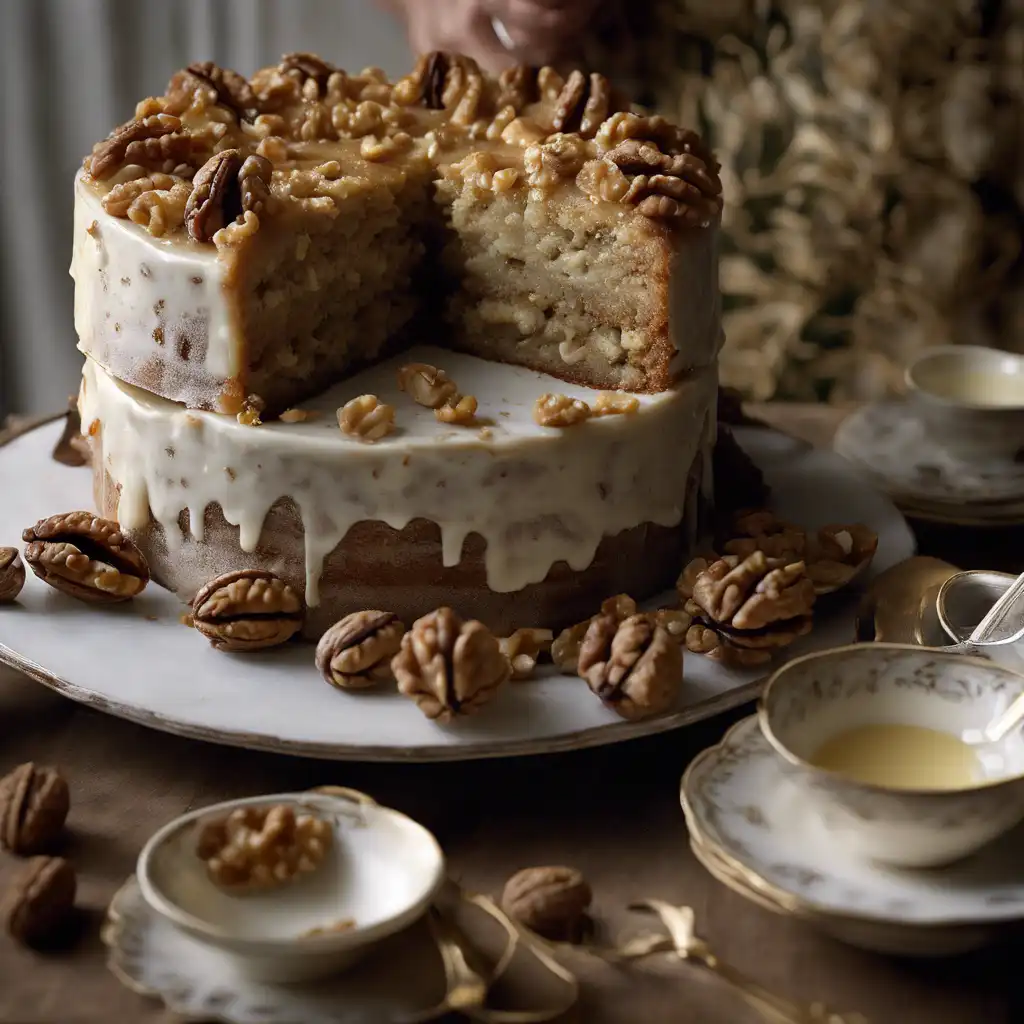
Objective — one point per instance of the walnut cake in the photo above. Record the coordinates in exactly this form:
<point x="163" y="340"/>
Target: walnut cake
<point x="258" y="264"/>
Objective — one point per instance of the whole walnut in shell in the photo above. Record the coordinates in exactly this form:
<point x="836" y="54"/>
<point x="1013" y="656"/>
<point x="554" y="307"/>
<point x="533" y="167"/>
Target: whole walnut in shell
<point x="552" y="901"/>
<point x="247" y="610"/>
<point x="40" y="900"/>
<point x="448" y="666"/>
<point x="12" y="574"/>
<point x="356" y="652"/>
<point x="34" y="804"/>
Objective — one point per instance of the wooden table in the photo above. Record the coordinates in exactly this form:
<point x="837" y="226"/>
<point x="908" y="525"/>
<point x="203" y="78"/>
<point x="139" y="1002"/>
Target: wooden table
<point x="613" y="812"/>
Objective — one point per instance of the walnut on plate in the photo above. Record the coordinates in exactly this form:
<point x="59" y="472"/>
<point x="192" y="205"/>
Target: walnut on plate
<point x="634" y="666"/>
<point x="87" y="557"/>
<point x="551" y="901"/>
<point x="448" y="666"/>
<point x="426" y="385"/>
<point x="838" y="553"/>
<point x="757" y="602"/>
<point x="762" y="530"/>
<point x="247" y="610"/>
<point x="560" y="411"/>
<point x="255" y="848"/>
<point x="12" y="574"/>
<point x="356" y="652"/>
<point x="524" y="649"/>
<point x="565" y="649"/>
<point x="34" y="804"/>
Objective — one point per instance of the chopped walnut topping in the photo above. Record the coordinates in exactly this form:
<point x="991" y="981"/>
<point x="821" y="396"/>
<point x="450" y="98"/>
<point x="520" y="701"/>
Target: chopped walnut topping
<point x="602" y="181"/>
<point x="254" y="179"/>
<point x="306" y="66"/>
<point x="522" y="132"/>
<point x="524" y="648"/>
<point x="262" y="847"/>
<point x="374" y="149"/>
<point x="426" y="384"/>
<point x="251" y="409"/>
<point x="460" y="410"/>
<point x="298" y="415"/>
<point x="161" y="211"/>
<point x="559" y="411"/>
<point x="549" y="162"/>
<point x="367" y="418"/>
<point x="615" y="403"/>
<point x="119" y="199"/>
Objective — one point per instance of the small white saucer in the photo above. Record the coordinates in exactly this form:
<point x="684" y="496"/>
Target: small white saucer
<point x="401" y="980"/>
<point x="889" y="442"/>
<point x="755" y="826"/>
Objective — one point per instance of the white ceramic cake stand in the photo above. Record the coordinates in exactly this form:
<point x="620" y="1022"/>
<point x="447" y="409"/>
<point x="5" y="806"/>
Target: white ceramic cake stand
<point x="139" y="662"/>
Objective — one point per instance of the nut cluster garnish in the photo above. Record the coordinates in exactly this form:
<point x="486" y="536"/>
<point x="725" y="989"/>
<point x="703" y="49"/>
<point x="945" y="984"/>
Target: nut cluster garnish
<point x="87" y="557"/>
<point x="634" y="666"/>
<point x="524" y="649"/>
<point x="551" y="901"/>
<point x="427" y="385"/>
<point x="448" y="666"/>
<point x="255" y="848"/>
<point x="123" y="143"/>
<point x="356" y="652"/>
<point x="756" y="604"/>
<point x="560" y="411"/>
<point x="40" y="901"/>
<point x="233" y="90"/>
<point x="583" y="104"/>
<point x="12" y="574"/>
<point x="366" y="418"/>
<point x="247" y="610"/>
<point x="34" y="804"/>
<point x="565" y="649"/>
<point x="226" y="189"/>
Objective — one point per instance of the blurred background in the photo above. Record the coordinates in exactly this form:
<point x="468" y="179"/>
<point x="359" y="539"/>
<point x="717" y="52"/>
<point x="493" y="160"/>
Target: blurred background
<point x="872" y="151"/>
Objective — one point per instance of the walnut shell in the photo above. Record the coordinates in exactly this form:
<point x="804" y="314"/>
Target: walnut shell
<point x="12" y="574"/>
<point x="552" y="901"/>
<point x="40" y="901"/>
<point x="356" y="652"/>
<point x="34" y="804"/>
<point x="247" y="610"/>
<point x="87" y="557"/>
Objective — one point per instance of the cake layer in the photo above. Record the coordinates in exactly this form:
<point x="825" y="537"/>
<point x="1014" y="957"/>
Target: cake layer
<point x="511" y="521"/>
<point x="267" y="237"/>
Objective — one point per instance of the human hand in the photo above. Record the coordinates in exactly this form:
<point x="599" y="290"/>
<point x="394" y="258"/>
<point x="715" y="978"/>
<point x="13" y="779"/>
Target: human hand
<point x="497" y="33"/>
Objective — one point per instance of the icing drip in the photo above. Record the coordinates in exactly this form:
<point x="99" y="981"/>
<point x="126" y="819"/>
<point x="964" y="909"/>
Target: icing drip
<point x="536" y="495"/>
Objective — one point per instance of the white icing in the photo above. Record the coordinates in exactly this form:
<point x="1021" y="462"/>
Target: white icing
<point x="536" y="495"/>
<point x="138" y="299"/>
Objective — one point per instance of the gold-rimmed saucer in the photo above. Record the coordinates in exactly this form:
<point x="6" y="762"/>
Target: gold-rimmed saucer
<point x="751" y="831"/>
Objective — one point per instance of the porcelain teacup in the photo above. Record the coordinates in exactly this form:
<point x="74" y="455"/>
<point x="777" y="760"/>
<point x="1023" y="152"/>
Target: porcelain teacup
<point x="812" y="700"/>
<point x="971" y="398"/>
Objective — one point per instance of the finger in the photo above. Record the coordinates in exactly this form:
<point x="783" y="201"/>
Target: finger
<point x="534" y="18"/>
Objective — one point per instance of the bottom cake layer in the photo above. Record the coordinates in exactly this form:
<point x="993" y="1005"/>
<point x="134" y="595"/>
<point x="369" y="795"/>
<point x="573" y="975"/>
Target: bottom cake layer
<point x="506" y="521"/>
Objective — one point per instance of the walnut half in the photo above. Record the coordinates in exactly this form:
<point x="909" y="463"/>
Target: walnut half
<point x="356" y="652"/>
<point x="448" y="666"/>
<point x="635" y="667"/>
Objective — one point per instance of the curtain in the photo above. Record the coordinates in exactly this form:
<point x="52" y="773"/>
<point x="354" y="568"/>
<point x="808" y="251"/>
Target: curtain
<point x="72" y="69"/>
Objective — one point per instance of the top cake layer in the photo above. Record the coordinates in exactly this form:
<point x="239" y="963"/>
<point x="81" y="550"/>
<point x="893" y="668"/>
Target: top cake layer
<point x="266" y="236"/>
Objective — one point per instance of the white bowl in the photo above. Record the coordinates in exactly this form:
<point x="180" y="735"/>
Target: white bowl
<point x="967" y="396"/>
<point x="810" y="700"/>
<point x="382" y="873"/>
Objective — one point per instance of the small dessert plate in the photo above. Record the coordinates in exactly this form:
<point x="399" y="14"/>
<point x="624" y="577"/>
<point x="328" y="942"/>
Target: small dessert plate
<point x="744" y="811"/>
<point x="379" y="876"/>
<point x="891" y="443"/>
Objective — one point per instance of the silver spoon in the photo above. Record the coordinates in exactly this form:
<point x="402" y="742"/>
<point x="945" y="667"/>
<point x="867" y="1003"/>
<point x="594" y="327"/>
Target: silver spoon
<point x="1004" y="623"/>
